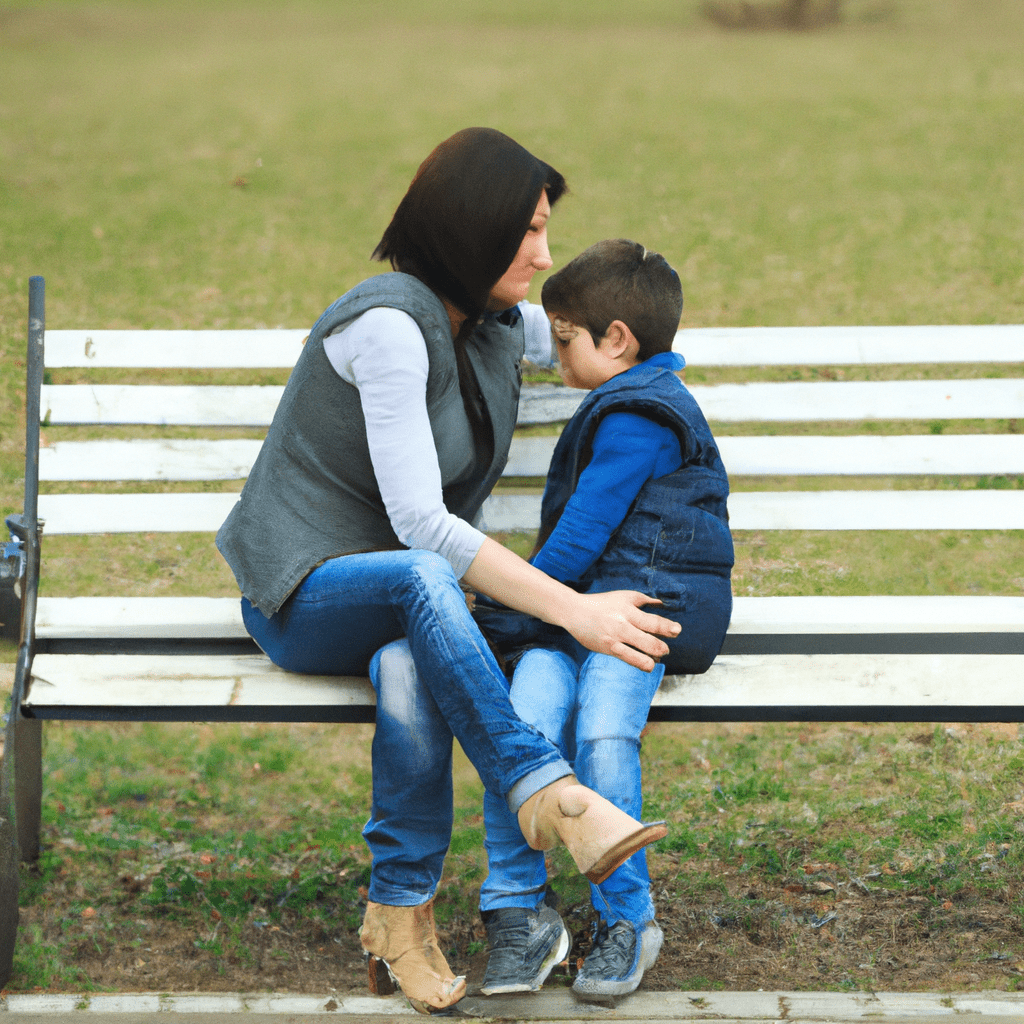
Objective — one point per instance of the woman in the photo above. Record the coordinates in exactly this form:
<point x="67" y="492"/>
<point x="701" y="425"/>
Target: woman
<point x="354" y="529"/>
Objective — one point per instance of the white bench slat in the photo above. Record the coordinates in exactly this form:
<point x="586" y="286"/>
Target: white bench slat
<point x="801" y="401"/>
<point x="134" y="513"/>
<point x="227" y="459"/>
<point x="270" y="348"/>
<point x="748" y="510"/>
<point x="876" y="510"/>
<point x="824" y="510"/>
<point x="221" y="617"/>
<point x="705" y="346"/>
<point x="160" y="405"/>
<point x="788" y="402"/>
<point x="732" y="681"/>
<point x="222" y="405"/>
<point x="856" y="680"/>
<point x="955" y="454"/>
<point x="97" y="680"/>
<point x="952" y="454"/>
<point x="844" y="346"/>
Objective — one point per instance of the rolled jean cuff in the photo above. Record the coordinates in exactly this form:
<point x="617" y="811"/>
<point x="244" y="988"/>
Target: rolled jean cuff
<point x="535" y="781"/>
<point x="396" y="896"/>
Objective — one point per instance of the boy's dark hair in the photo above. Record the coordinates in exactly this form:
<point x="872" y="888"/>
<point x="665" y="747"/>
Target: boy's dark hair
<point x="465" y="214"/>
<point x="619" y="280"/>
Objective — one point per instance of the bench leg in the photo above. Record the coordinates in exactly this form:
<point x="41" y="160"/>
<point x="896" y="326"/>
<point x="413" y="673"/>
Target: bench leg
<point x="28" y="784"/>
<point x="8" y="860"/>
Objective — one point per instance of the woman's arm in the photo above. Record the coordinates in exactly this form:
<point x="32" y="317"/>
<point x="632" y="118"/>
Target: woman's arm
<point x="609" y="623"/>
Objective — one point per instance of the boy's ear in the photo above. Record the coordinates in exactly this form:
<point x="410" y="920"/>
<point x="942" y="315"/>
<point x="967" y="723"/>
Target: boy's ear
<point x="621" y="341"/>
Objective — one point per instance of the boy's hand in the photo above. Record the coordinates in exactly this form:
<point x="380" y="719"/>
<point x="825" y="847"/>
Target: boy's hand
<point x="614" y="623"/>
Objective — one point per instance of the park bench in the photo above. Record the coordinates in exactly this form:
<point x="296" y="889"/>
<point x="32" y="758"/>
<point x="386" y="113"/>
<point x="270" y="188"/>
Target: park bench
<point x="801" y="658"/>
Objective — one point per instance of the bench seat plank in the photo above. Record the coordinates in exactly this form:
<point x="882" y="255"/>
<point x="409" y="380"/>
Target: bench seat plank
<point x="244" y="687"/>
<point x="231" y="459"/>
<point x="221" y="617"/>
<point x="748" y="510"/>
<point x="796" y="401"/>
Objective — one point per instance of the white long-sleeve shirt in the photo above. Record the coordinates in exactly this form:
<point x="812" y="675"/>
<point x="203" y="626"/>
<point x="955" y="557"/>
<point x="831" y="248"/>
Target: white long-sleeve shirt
<point x="384" y="355"/>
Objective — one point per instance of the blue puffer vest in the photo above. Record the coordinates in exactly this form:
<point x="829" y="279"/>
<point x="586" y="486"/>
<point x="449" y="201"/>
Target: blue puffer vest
<point x="679" y="522"/>
<point x="673" y="545"/>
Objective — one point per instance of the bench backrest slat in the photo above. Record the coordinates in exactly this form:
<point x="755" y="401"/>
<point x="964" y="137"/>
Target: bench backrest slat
<point x="231" y="459"/>
<point x="703" y="346"/>
<point x="748" y="510"/>
<point x="798" y="401"/>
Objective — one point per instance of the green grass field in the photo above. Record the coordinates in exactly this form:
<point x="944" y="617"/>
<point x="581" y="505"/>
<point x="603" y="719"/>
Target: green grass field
<point x="232" y="164"/>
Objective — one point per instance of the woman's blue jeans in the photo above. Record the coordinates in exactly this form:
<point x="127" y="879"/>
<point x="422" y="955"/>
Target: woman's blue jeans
<point x="443" y="681"/>
<point x="593" y="707"/>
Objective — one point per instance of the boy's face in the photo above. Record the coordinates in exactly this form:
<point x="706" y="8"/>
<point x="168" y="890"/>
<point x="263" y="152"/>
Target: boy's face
<point x="583" y="364"/>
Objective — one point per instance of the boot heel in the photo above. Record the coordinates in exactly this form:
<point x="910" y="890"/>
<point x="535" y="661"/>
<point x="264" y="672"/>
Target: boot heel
<point x="624" y="849"/>
<point x="378" y="976"/>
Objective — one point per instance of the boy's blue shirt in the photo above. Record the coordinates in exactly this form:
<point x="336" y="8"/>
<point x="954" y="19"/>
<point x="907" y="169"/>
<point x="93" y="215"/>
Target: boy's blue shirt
<point x="628" y="450"/>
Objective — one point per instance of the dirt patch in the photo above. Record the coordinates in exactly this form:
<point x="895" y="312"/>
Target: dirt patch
<point x="810" y="935"/>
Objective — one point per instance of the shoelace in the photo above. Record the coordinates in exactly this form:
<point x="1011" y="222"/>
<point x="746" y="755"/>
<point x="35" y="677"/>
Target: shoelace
<point x="612" y="951"/>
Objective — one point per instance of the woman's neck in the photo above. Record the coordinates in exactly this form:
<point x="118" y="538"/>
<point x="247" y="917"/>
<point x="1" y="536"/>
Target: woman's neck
<point x="455" y="315"/>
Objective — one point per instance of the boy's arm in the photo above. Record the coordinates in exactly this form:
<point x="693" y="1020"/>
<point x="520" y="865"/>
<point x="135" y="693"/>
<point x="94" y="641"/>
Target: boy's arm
<point x="628" y="450"/>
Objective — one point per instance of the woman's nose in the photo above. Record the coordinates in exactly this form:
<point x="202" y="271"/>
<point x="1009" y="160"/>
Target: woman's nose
<point x="542" y="258"/>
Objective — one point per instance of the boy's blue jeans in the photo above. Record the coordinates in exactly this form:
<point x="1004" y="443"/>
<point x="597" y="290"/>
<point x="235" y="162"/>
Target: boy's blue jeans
<point x="593" y="707"/>
<point x="442" y="680"/>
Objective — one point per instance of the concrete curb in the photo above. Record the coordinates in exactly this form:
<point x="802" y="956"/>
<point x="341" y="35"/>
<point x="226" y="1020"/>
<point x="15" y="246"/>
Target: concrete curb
<point x="808" y="1007"/>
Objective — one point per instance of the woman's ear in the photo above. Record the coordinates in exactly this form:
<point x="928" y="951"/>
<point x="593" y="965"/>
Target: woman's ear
<point x="621" y="342"/>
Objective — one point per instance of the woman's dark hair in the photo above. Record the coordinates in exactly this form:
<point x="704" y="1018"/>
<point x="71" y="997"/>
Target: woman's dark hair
<point x="618" y="279"/>
<point x="461" y="222"/>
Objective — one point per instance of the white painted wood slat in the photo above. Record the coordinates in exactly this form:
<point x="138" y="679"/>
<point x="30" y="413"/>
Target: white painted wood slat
<point x="733" y="681"/>
<point x="96" y="680"/>
<point x="705" y="346"/>
<point x="749" y="510"/>
<point x="258" y="349"/>
<point x="856" y="680"/>
<point x="966" y="454"/>
<point x="839" y="346"/>
<point x="801" y="401"/>
<point x="824" y="510"/>
<point x="139" y="617"/>
<point x="952" y="454"/>
<point x="876" y="510"/>
<point x="134" y="513"/>
<point x="797" y="401"/>
<point x="160" y="405"/>
<point x="219" y="617"/>
<point x="229" y="459"/>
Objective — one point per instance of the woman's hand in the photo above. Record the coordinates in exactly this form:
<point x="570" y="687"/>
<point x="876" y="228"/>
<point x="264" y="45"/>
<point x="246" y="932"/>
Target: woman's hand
<point x="614" y="623"/>
<point x="610" y="623"/>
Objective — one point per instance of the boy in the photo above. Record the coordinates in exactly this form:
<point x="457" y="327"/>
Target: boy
<point x="635" y="499"/>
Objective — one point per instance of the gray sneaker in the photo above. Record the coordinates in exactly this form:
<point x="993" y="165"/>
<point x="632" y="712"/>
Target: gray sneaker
<point x="525" y="945"/>
<point x="616" y="963"/>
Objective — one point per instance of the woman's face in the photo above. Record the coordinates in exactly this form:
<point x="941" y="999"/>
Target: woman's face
<point x="533" y="255"/>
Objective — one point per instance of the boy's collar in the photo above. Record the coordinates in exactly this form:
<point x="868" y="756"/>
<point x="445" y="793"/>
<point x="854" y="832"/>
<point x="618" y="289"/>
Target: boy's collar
<point x="507" y="317"/>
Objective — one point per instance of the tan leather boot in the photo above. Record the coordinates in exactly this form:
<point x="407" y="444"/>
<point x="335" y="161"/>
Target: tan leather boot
<point x="597" y="834"/>
<point x="402" y="947"/>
